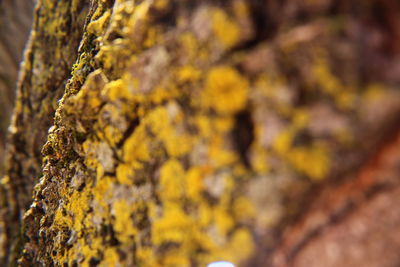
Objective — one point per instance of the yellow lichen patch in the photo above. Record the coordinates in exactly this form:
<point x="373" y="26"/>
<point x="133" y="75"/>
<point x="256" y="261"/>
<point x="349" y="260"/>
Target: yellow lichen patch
<point x="194" y="180"/>
<point x="146" y="257"/>
<point x="223" y="220"/>
<point x="102" y="191"/>
<point x="173" y="226"/>
<point x="172" y="181"/>
<point x="239" y="247"/>
<point x="136" y="147"/>
<point x="164" y="123"/>
<point x="190" y="44"/>
<point x="90" y="147"/>
<point x="88" y="251"/>
<point x="312" y="161"/>
<point x="188" y="74"/>
<point x="112" y="123"/>
<point x="178" y="145"/>
<point x="328" y="82"/>
<point x="74" y="5"/>
<point x="223" y="124"/>
<point x="243" y="208"/>
<point x="111" y="56"/>
<point x="111" y="257"/>
<point x="204" y="125"/>
<point x="226" y="29"/>
<point x="140" y="12"/>
<point x="153" y="37"/>
<point x="62" y="221"/>
<point x="284" y="141"/>
<point x="48" y="4"/>
<point x="225" y="90"/>
<point x="344" y="96"/>
<point x="124" y="174"/>
<point x="205" y="215"/>
<point x="77" y="73"/>
<point x="116" y="90"/>
<point x="123" y="223"/>
<point x="270" y="86"/>
<point x="78" y="205"/>
<point x="54" y="21"/>
<point x="97" y="27"/>
<point x="88" y="97"/>
<point x="300" y="119"/>
<point x="161" y="94"/>
<point x="219" y="155"/>
<point x="175" y="258"/>
<point x="259" y="159"/>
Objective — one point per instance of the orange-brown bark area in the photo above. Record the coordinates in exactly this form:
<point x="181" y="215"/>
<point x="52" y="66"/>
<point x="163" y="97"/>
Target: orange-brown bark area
<point x="352" y="223"/>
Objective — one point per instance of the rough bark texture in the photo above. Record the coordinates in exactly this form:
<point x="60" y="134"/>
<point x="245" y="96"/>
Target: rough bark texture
<point x="51" y="52"/>
<point x="264" y="133"/>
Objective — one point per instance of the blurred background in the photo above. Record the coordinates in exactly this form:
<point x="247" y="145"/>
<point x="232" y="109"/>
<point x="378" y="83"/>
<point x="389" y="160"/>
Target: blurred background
<point x="15" y="24"/>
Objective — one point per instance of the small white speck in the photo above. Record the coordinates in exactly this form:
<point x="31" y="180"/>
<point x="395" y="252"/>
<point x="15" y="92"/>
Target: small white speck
<point x="221" y="264"/>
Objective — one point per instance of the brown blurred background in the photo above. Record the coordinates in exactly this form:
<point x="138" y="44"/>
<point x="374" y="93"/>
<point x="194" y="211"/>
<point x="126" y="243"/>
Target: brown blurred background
<point x="15" y="24"/>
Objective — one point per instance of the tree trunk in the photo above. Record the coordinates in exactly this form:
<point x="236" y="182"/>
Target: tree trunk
<point x="48" y="59"/>
<point x="264" y="133"/>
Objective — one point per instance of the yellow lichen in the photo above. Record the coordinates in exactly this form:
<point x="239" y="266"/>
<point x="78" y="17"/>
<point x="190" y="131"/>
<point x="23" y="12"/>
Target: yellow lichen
<point x="259" y="160"/>
<point x="97" y="26"/>
<point x="344" y="96"/>
<point x="173" y="226"/>
<point x="223" y="220"/>
<point x="124" y="174"/>
<point x="164" y="125"/>
<point x="226" y="29"/>
<point x="284" y="141"/>
<point x="312" y="161"/>
<point x="220" y="156"/>
<point x="78" y="206"/>
<point x="172" y="181"/>
<point x="102" y="192"/>
<point x="117" y="90"/>
<point x="189" y="44"/>
<point x="194" y="182"/>
<point x="243" y="208"/>
<point x="111" y="257"/>
<point x="123" y="223"/>
<point x="225" y="90"/>
<point x="188" y="74"/>
<point x="136" y="147"/>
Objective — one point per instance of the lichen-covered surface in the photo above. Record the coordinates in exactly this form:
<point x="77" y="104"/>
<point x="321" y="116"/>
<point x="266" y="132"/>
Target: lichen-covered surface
<point x="50" y="54"/>
<point x="194" y="131"/>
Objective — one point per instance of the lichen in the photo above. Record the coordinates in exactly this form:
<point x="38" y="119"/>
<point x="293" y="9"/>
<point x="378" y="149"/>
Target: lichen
<point x="226" y="29"/>
<point x="165" y="142"/>
<point x="225" y="90"/>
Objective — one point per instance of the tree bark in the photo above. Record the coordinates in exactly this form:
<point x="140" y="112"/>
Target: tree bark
<point x="264" y="133"/>
<point x="50" y="54"/>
